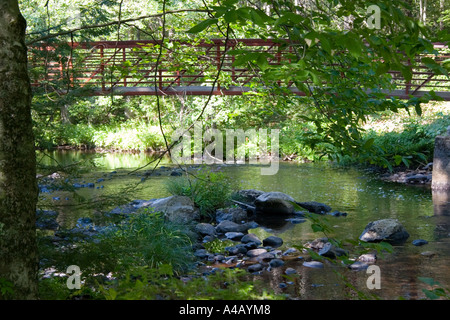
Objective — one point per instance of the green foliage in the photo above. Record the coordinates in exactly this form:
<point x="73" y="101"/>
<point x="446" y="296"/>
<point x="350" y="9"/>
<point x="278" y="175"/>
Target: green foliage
<point x="144" y="240"/>
<point x="209" y="190"/>
<point x="217" y="245"/>
<point x="436" y="290"/>
<point x="6" y="289"/>
<point x="150" y="284"/>
<point x="411" y="144"/>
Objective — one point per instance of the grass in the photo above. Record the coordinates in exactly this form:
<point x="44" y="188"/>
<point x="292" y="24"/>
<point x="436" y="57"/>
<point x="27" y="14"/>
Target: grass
<point x="208" y="190"/>
<point x="129" y="135"/>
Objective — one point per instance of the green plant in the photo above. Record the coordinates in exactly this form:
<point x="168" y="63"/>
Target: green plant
<point x="154" y="283"/>
<point x="436" y="290"/>
<point x="208" y="189"/>
<point x="147" y="240"/>
<point x="217" y="245"/>
<point x="6" y="289"/>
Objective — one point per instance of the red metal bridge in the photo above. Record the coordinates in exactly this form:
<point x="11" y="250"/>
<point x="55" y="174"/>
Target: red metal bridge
<point x="137" y="68"/>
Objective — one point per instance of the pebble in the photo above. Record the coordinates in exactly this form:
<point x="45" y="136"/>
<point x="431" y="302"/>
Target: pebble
<point x="290" y="271"/>
<point x="428" y="254"/>
<point x="255" y="267"/>
<point x="359" y="265"/>
<point x="255" y="252"/>
<point x="419" y="242"/>
<point x="276" y="263"/>
<point x="235" y="236"/>
<point x="313" y="264"/>
<point x="273" y="241"/>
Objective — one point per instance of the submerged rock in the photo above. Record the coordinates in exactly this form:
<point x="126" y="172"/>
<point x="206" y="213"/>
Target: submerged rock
<point x="315" y="207"/>
<point x="331" y="251"/>
<point x="419" y="242"/>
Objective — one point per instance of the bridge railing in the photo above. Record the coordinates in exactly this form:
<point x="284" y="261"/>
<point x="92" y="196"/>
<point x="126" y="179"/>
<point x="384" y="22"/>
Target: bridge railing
<point x="128" y="65"/>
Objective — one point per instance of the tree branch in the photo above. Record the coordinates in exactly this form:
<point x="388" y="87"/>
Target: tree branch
<point x="111" y="23"/>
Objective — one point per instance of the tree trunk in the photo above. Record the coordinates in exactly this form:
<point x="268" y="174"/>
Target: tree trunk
<point x="18" y="187"/>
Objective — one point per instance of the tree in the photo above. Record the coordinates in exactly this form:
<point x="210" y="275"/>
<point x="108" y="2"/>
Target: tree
<point x="18" y="187"/>
<point x="338" y="59"/>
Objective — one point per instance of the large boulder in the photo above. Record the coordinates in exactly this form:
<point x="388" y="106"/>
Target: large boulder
<point x="274" y="203"/>
<point x="178" y="209"/>
<point x="388" y="230"/>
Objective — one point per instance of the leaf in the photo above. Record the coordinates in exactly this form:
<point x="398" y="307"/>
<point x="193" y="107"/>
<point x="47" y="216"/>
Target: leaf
<point x="202" y="25"/>
<point x="368" y="143"/>
<point x="429" y="281"/>
<point x="430" y="294"/>
<point x="317" y="227"/>
<point x="353" y="45"/>
<point x="418" y="109"/>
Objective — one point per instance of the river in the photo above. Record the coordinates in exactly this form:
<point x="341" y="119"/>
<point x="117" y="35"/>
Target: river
<point x="359" y="193"/>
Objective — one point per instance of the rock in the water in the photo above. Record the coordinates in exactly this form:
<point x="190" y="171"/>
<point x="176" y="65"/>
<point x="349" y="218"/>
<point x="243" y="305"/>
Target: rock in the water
<point x="317" y="244"/>
<point x="233" y="214"/>
<point x="388" y="230"/>
<point x="255" y="252"/>
<point x="251" y="238"/>
<point x="235" y="236"/>
<point x="201" y="253"/>
<point x="368" y="257"/>
<point x="290" y="271"/>
<point x="179" y="209"/>
<point x="419" y="242"/>
<point x="205" y="229"/>
<point x="274" y="203"/>
<point x="359" y="265"/>
<point x="265" y="257"/>
<point x="230" y="226"/>
<point x="313" y="264"/>
<point x="249" y="195"/>
<point x="273" y="241"/>
<point x="276" y="263"/>
<point x="237" y="249"/>
<point x="331" y="251"/>
<point x="255" y="267"/>
<point x="428" y="254"/>
<point x="315" y="207"/>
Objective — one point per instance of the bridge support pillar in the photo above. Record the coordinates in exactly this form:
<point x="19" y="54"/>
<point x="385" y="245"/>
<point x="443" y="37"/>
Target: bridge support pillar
<point x="441" y="163"/>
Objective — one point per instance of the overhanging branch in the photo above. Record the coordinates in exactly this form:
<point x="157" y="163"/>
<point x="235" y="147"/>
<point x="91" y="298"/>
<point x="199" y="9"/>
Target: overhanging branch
<point x="111" y="23"/>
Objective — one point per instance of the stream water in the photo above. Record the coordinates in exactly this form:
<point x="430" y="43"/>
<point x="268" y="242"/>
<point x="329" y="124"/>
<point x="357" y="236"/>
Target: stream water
<point x="360" y="194"/>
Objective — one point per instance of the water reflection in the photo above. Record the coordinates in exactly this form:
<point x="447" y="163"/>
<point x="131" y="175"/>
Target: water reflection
<point x="441" y="203"/>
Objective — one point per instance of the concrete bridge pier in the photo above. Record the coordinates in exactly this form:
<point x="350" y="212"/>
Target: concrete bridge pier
<point x="441" y="163"/>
